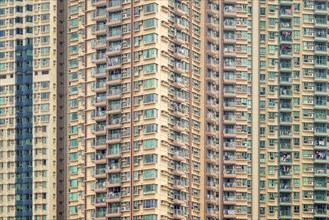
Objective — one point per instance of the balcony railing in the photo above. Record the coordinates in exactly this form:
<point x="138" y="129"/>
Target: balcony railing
<point x="114" y="210"/>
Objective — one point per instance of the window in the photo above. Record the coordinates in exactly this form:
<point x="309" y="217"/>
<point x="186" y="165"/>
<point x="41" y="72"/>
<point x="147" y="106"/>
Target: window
<point x="73" y="169"/>
<point x="151" y="173"/>
<point x="150" y="158"/>
<point x="150" y="38"/>
<point x="74" y="63"/>
<point x="150" y="128"/>
<point x="150" y="53"/>
<point x="74" y="183"/>
<point x="150" y="23"/>
<point x="74" y="143"/>
<point x="74" y="23"/>
<point x="150" y="98"/>
<point x="149" y="188"/>
<point x="150" y="113"/>
<point x="149" y="217"/>
<point x="73" y="156"/>
<point x="150" y="68"/>
<point x="150" y="83"/>
<point x="271" y="48"/>
<point x="74" y="49"/>
<point x="73" y="116"/>
<point x="73" y="209"/>
<point x="73" y="9"/>
<point x="149" y="203"/>
<point x="150" y="8"/>
<point x="74" y="129"/>
<point x="74" y="36"/>
<point x="73" y="196"/>
<point x="151" y="143"/>
<point x="44" y="6"/>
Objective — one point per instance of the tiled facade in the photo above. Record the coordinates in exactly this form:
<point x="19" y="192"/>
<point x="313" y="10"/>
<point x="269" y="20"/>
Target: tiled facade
<point x="147" y="110"/>
<point x="30" y="106"/>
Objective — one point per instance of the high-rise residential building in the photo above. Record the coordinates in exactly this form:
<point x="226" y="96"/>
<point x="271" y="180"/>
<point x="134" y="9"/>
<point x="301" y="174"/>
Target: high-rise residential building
<point x="163" y="110"/>
<point x="293" y="109"/>
<point x="32" y="110"/>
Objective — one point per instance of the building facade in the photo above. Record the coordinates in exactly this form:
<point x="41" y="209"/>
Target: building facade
<point x="129" y="110"/>
<point x="31" y="110"/>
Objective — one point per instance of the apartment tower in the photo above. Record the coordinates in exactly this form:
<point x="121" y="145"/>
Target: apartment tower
<point x="32" y="112"/>
<point x="198" y="109"/>
<point x="163" y="110"/>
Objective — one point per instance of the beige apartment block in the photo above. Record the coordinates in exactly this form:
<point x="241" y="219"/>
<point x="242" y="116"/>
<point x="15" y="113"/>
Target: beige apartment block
<point x="198" y="109"/>
<point x="163" y="110"/>
<point x="31" y="110"/>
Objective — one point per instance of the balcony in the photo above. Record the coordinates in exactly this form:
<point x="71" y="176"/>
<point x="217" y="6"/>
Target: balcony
<point x="100" y="100"/>
<point x="285" y="199"/>
<point x="179" y="213"/>
<point x="229" y="104"/>
<point x="114" y="62"/>
<point x="285" y="213"/>
<point x="114" y="93"/>
<point x="320" y="8"/>
<point x="100" y="214"/>
<point x="101" y="199"/>
<point x="100" y="142"/>
<point x="228" y="22"/>
<point x="229" y="90"/>
<point x="229" y="212"/>
<point x="114" y="211"/>
<point x="114" y="49"/>
<point x="114" y="108"/>
<point x="321" y="212"/>
<point x="100" y="186"/>
<point x="213" y="8"/>
<point x="320" y="22"/>
<point x="100" y="14"/>
<point x="285" y="25"/>
<point x="179" y="184"/>
<point x="100" y="29"/>
<point x="100" y="58"/>
<point x="229" y="131"/>
<point x="113" y="196"/>
<point x="100" y="86"/>
<point x="285" y="106"/>
<point x="100" y="43"/>
<point x="114" y="19"/>
<point x="285" y="66"/>
<point x="322" y="49"/>
<point x="114" y="79"/>
<point x="100" y="156"/>
<point x="320" y="198"/>
<point x="114" y="5"/>
<point x="100" y="115"/>
<point x="229" y="185"/>
<point x="320" y="130"/>
<point x="320" y="76"/>
<point x="180" y="9"/>
<point x="286" y="12"/>
<point x="112" y="182"/>
<point x="285" y="186"/>
<point x="320" y="35"/>
<point x="179" y="82"/>
<point x="114" y="137"/>
<point x="286" y="133"/>
<point x="320" y="185"/>
<point x="286" y="92"/>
